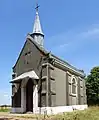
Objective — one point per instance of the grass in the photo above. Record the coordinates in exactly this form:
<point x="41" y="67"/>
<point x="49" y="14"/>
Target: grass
<point x="4" y="109"/>
<point x="92" y="113"/>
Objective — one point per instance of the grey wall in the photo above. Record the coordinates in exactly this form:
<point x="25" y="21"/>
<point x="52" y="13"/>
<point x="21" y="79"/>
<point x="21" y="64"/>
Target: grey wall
<point x="62" y="87"/>
<point x="56" y="86"/>
<point x="59" y="86"/>
<point x="35" y="61"/>
<point x="30" y="61"/>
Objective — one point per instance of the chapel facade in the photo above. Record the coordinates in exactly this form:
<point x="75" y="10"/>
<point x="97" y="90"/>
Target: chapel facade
<point x="42" y="81"/>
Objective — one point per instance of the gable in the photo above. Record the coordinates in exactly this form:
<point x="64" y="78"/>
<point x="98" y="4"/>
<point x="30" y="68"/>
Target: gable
<point x="30" y="39"/>
<point x="44" y="52"/>
<point x="28" y="59"/>
<point x="20" y="54"/>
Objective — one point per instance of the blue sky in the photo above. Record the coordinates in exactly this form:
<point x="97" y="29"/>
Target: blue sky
<point x="71" y="29"/>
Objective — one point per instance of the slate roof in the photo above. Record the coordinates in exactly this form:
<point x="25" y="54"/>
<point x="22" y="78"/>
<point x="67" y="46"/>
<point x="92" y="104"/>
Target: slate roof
<point x="59" y="60"/>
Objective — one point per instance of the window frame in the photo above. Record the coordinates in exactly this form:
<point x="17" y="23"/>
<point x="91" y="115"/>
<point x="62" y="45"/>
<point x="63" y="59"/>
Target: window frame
<point x="74" y="78"/>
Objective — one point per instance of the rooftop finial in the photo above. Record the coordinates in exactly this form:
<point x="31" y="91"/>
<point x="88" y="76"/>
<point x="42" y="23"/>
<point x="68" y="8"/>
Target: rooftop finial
<point x="37" y="30"/>
<point x="37" y="6"/>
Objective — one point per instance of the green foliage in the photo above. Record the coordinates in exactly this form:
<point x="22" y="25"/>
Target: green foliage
<point x="92" y="87"/>
<point x="4" y="110"/>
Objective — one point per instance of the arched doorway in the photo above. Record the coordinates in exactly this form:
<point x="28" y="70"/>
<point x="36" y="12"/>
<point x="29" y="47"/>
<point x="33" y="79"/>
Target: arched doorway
<point x="29" y="96"/>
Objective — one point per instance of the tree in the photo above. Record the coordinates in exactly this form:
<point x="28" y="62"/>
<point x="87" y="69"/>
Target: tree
<point x="92" y="86"/>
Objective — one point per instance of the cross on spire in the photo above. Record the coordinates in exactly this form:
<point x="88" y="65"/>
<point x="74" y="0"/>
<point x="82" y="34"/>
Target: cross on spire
<point x="37" y="26"/>
<point x="37" y="33"/>
<point x="37" y="6"/>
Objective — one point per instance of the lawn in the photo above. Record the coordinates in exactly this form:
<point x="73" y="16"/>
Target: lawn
<point x="5" y="109"/>
<point x="91" y="113"/>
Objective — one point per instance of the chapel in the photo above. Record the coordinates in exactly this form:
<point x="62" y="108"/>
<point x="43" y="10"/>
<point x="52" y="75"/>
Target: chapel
<point x="41" y="81"/>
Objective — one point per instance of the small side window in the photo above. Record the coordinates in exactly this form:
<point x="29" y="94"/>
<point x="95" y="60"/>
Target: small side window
<point x="74" y="86"/>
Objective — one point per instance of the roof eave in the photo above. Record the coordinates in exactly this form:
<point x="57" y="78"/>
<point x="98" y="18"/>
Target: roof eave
<point x="58" y="61"/>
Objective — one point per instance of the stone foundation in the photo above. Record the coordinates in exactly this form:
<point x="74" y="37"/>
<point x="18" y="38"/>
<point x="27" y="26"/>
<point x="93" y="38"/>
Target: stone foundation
<point x="52" y="110"/>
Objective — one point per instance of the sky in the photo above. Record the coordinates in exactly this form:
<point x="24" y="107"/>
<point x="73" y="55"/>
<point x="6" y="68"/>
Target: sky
<point x="71" y="29"/>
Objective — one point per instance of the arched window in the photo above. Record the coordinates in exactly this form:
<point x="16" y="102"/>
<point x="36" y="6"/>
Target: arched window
<point x="73" y="86"/>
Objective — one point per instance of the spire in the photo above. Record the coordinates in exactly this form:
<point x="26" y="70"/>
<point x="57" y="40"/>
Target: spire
<point x="37" y="33"/>
<point x="37" y="25"/>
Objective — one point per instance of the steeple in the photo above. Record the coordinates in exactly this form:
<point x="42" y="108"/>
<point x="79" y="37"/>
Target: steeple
<point x="37" y="30"/>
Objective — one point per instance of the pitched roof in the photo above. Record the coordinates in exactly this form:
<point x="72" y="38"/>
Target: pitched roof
<point x="60" y="61"/>
<point x="57" y="59"/>
<point x="67" y="65"/>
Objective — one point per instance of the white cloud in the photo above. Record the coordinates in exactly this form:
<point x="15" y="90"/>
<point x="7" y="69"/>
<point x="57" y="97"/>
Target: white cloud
<point x="78" y="46"/>
<point x="93" y="32"/>
<point x="5" y="97"/>
<point x="73" y="39"/>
